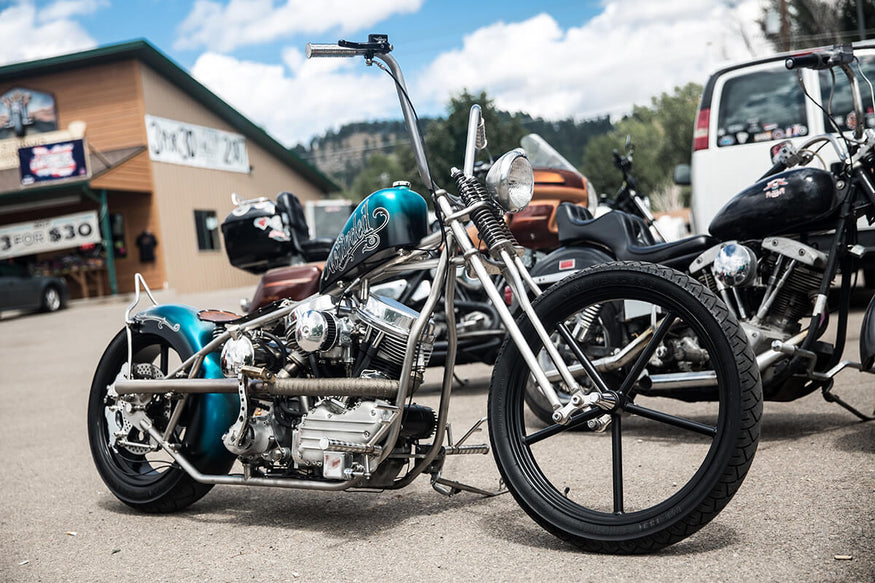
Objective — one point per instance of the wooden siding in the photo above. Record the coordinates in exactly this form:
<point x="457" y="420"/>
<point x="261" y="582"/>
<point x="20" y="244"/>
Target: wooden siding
<point x="108" y="99"/>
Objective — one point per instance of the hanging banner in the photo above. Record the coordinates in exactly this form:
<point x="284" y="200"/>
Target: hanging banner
<point x="49" y="235"/>
<point x="51" y="162"/>
<point x="177" y="142"/>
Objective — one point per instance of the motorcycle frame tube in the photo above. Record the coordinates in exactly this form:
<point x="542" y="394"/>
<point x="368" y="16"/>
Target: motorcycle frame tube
<point x="447" y="384"/>
<point x="428" y="309"/>
<point x="238" y="480"/>
<point x="473" y="259"/>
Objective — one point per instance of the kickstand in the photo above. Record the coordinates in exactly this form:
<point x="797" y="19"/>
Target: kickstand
<point x="451" y="487"/>
<point x="831" y="397"/>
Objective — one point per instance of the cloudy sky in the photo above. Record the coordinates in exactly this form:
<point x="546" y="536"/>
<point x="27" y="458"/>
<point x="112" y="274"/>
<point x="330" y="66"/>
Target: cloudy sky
<point x="549" y="58"/>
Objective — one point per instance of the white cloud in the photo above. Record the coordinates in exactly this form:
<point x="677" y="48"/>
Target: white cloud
<point x="28" y="33"/>
<point x="293" y="108"/>
<point x="633" y="50"/>
<point x="224" y="27"/>
<point x="64" y="9"/>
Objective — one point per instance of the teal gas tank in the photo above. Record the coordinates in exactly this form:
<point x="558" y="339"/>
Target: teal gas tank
<point x="386" y="221"/>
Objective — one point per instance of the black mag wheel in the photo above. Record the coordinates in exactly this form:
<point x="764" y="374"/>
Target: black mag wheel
<point x="138" y="473"/>
<point x="662" y="468"/>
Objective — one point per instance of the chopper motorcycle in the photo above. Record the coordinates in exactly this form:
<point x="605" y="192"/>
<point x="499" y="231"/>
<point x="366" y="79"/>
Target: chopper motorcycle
<point x="772" y="255"/>
<point x="318" y="394"/>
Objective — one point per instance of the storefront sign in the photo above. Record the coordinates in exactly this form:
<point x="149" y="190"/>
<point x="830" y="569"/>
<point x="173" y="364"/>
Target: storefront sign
<point x="9" y="147"/>
<point x="176" y="142"/>
<point x="26" y="111"/>
<point x="52" y="162"/>
<point x="49" y="235"/>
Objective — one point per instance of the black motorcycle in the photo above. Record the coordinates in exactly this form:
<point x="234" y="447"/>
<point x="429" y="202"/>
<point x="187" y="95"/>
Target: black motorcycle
<point x="766" y="257"/>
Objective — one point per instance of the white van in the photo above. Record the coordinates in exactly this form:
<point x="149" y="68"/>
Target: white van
<point x="749" y="107"/>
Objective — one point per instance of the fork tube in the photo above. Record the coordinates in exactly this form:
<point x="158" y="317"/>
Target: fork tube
<point x="472" y="257"/>
<point x="527" y="277"/>
<point x="471" y="142"/>
<point x="516" y="281"/>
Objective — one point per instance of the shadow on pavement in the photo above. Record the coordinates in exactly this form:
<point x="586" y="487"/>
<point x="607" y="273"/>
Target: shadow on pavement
<point x="512" y="525"/>
<point x="348" y="517"/>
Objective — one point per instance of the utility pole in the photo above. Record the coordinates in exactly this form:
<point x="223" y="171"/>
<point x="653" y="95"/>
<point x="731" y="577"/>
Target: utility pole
<point x="785" y="25"/>
<point x="861" y="20"/>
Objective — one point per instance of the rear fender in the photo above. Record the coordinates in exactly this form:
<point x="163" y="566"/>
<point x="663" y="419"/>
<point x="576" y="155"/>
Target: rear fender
<point x="566" y="260"/>
<point x="212" y="413"/>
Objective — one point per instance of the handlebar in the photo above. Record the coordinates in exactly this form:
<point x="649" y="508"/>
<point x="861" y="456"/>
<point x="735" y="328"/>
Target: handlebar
<point x="840" y="55"/>
<point x="378" y="48"/>
<point x="378" y="44"/>
<point x="325" y="50"/>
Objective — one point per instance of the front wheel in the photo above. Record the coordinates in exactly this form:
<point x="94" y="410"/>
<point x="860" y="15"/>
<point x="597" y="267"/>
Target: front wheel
<point x="662" y="468"/>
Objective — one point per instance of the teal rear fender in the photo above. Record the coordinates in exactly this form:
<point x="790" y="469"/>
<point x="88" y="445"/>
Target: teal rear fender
<point x="212" y="413"/>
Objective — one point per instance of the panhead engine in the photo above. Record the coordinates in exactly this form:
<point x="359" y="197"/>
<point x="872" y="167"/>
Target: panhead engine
<point x="336" y="436"/>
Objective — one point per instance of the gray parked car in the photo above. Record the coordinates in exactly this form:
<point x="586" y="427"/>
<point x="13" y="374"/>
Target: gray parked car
<point x="19" y="290"/>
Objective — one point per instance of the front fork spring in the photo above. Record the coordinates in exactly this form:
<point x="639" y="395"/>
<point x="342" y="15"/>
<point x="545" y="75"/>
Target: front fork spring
<point x="488" y="220"/>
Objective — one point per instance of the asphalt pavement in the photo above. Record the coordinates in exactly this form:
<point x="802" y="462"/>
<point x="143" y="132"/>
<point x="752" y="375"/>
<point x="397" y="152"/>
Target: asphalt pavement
<point x="805" y="512"/>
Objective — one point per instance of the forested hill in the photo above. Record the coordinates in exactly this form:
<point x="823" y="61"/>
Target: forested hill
<point x="366" y="156"/>
<point x="342" y="154"/>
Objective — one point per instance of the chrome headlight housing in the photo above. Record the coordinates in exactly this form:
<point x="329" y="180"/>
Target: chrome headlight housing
<point x="511" y="181"/>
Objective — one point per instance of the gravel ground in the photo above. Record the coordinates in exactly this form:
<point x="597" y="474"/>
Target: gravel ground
<point x="805" y="512"/>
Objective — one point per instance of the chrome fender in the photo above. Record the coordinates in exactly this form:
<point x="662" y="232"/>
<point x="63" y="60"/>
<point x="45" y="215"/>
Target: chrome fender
<point x="213" y="413"/>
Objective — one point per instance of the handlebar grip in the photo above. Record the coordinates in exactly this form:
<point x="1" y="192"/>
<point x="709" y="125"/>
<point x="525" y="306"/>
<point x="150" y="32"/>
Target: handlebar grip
<point x="810" y="61"/>
<point x="328" y="50"/>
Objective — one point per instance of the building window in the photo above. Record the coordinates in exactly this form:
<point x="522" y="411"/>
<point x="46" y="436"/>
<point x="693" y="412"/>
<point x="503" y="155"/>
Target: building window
<point x="207" y="226"/>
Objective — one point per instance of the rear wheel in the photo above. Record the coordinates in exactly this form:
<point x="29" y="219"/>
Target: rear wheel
<point x="663" y="468"/>
<point x="138" y="472"/>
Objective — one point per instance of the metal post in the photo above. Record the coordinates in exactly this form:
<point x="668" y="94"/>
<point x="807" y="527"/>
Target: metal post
<point x="106" y="232"/>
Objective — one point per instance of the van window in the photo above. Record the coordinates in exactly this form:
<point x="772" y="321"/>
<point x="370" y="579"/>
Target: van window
<point x="759" y="107"/>
<point x="842" y="103"/>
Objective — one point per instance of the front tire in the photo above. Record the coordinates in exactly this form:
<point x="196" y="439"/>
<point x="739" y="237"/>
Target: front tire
<point x="660" y="472"/>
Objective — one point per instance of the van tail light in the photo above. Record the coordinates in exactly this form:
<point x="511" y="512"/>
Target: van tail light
<point x="700" y="135"/>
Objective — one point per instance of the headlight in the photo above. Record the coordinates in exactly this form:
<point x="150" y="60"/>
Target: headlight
<point x="511" y="181"/>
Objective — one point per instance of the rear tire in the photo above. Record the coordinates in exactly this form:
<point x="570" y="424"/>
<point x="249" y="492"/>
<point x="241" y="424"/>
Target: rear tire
<point x="142" y="477"/>
<point x="661" y="472"/>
